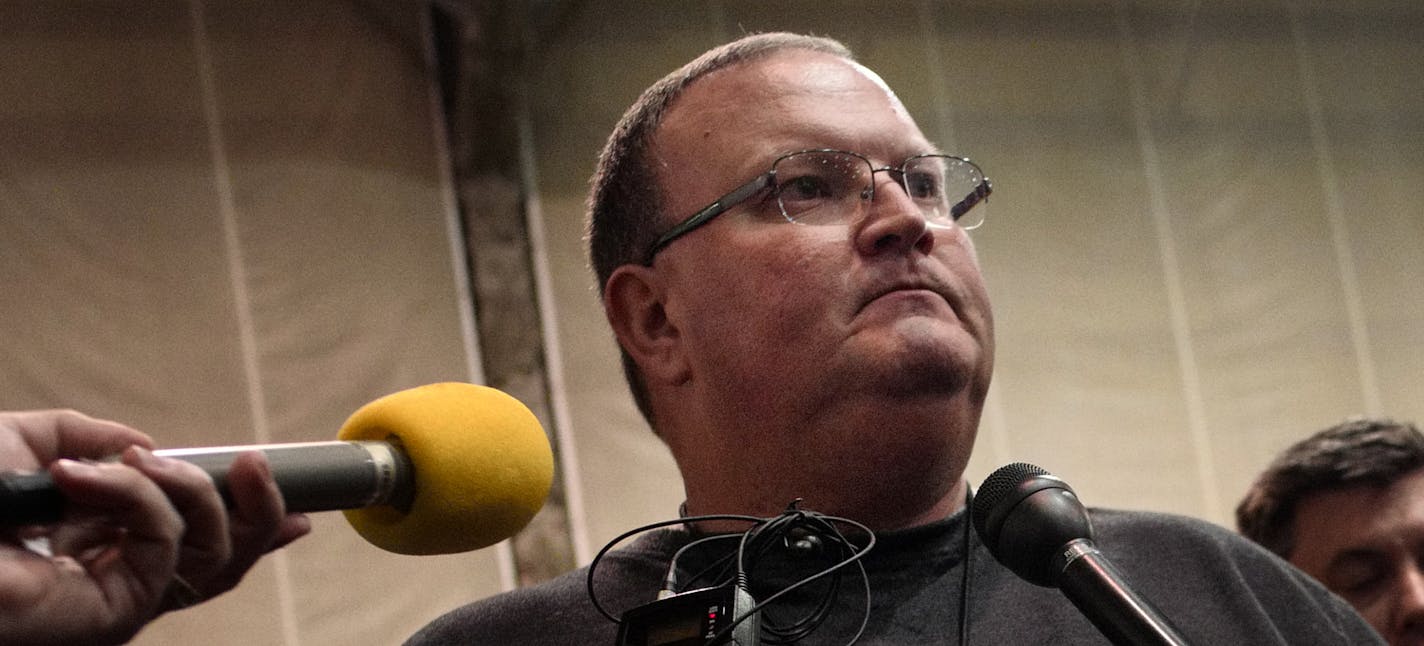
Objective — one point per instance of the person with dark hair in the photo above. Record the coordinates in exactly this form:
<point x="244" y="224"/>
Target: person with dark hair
<point x="785" y="261"/>
<point x="1346" y="505"/>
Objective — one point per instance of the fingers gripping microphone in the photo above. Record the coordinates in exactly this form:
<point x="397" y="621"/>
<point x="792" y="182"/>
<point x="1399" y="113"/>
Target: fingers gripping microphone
<point x="1034" y="524"/>
<point x="438" y="469"/>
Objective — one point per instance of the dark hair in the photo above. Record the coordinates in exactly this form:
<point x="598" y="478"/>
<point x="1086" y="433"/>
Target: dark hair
<point x="624" y="203"/>
<point x="1370" y="452"/>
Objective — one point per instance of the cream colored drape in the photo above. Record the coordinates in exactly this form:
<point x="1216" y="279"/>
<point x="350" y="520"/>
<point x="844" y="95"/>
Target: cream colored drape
<point x="227" y="223"/>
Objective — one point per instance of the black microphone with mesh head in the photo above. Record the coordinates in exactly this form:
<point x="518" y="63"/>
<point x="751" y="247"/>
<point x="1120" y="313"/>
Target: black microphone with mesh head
<point x="1034" y="524"/>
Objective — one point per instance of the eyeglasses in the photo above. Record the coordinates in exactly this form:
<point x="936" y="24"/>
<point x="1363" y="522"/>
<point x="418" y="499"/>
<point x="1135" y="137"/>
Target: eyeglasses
<point x="834" y="186"/>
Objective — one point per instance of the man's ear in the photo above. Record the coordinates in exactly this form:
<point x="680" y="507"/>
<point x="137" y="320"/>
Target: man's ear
<point x="633" y="300"/>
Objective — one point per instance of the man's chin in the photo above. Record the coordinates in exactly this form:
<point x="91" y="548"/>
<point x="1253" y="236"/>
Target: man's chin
<point x="926" y="370"/>
<point x="916" y="355"/>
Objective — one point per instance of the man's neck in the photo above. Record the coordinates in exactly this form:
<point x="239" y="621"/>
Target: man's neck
<point x="872" y="511"/>
<point x="888" y="465"/>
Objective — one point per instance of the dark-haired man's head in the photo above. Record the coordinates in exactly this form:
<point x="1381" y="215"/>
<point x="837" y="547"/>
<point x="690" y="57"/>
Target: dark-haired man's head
<point x="1346" y="505"/>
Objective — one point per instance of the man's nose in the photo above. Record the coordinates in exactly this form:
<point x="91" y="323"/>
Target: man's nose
<point x="893" y="221"/>
<point x="1408" y="620"/>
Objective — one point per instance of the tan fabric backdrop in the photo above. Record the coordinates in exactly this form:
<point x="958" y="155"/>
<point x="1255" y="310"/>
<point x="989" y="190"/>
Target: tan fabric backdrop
<point x="228" y="222"/>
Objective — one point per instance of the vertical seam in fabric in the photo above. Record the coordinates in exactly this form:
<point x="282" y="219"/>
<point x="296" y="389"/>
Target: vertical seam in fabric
<point x="717" y="16"/>
<point x="1335" y="214"/>
<point x="553" y="350"/>
<point x="242" y="306"/>
<point x="459" y="267"/>
<point x="1171" y="269"/>
<point x="934" y="66"/>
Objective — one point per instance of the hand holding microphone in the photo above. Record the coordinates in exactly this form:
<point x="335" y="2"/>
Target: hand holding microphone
<point x="140" y="528"/>
<point x="436" y="469"/>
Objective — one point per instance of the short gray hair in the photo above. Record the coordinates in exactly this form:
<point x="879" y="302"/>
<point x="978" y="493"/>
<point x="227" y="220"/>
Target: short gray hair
<point x="624" y="203"/>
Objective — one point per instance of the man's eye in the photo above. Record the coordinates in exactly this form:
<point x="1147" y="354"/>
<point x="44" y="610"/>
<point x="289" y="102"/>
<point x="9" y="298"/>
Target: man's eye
<point x="924" y="186"/>
<point x="805" y="187"/>
<point x="1358" y="580"/>
<point x="805" y="193"/>
<point x="1363" y="592"/>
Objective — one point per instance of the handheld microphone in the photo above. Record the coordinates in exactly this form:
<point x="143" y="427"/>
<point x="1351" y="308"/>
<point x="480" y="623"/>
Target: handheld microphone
<point x="437" y="469"/>
<point x="1034" y="524"/>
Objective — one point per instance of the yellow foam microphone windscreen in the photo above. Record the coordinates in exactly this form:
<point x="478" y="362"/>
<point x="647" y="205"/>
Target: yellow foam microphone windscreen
<point x="482" y="467"/>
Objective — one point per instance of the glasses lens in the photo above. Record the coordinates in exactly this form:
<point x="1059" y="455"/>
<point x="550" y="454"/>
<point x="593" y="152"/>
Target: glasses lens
<point x="819" y="187"/>
<point x="948" y="189"/>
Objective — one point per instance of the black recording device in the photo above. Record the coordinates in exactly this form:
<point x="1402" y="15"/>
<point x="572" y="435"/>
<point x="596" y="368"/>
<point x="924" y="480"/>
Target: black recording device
<point x="693" y="618"/>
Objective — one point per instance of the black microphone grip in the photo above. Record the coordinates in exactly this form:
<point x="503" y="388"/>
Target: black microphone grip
<point x="312" y="476"/>
<point x="1093" y="584"/>
<point x="29" y="499"/>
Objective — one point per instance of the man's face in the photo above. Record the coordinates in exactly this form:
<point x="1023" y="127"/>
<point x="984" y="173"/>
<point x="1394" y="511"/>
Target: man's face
<point x="790" y="320"/>
<point x="1366" y="544"/>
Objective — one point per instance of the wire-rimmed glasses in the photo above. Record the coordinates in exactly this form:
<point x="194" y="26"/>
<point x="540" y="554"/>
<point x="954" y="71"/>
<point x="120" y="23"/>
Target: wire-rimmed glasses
<point x="826" y="186"/>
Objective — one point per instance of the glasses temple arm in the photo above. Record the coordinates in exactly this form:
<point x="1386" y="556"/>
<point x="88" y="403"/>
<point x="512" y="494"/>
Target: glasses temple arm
<point x="737" y="196"/>
<point x="979" y="194"/>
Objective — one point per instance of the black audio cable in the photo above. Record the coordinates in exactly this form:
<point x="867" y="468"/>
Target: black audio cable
<point x="796" y="530"/>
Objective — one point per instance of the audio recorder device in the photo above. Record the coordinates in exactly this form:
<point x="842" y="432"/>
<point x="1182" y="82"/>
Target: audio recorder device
<point x="693" y="618"/>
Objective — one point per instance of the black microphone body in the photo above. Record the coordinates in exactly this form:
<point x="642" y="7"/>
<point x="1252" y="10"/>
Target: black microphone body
<point x="312" y="476"/>
<point x="1034" y="524"/>
<point x="1093" y="584"/>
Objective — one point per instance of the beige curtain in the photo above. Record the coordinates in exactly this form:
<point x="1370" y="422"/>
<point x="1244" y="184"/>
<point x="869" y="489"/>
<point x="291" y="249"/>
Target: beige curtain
<point x="227" y="222"/>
